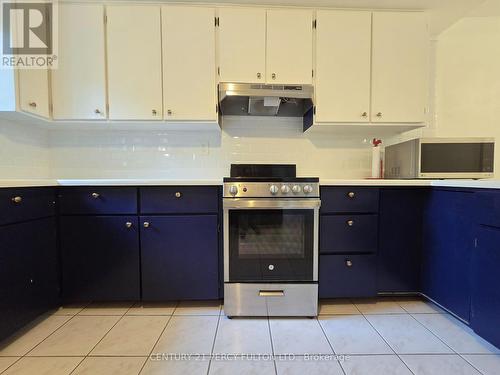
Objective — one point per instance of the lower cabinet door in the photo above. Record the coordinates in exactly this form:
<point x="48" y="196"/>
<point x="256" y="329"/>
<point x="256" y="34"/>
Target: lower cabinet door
<point x="485" y="296"/>
<point x="29" y="280"/>
<point x="179" y="257"/>
<point x="347" y="276"/>
<point x="100" y="258"/>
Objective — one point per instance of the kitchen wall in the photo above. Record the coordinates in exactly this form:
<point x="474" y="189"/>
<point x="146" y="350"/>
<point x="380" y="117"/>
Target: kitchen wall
<point x="24" y="151"/>
<point x="468" y="80"/>
<point x="206" y="155"/>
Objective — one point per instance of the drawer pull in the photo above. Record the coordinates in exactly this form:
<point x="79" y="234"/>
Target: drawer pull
<point x="271" y="293"/>
<point x="32" y="104"/>
<point x="128" y="224"/>
<point x="351" y="194"/>
<point x="348" y="263"/>
<point x="350" y="222"/>
<point x="95" y="195"/>
<point x="178" y="194"/>
<point x="146" y="224"/>
<point x="17" y="199"/>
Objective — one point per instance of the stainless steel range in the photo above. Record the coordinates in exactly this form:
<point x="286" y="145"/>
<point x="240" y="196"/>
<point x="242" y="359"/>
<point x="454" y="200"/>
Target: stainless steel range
<point x="270" y="242"/>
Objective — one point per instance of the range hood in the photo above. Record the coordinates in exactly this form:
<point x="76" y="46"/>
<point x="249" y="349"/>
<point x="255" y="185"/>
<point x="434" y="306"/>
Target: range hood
<point x="248" y="99"/>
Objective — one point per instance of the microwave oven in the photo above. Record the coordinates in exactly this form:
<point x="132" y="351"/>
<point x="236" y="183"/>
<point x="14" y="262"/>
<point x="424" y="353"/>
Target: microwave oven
<point x="440" y="158"/>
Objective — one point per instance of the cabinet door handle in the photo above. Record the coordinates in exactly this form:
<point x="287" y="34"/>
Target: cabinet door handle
<point x="146" y="224"/>
<point x="379" y="114"/>
<point x="348" y="263"/>
<point x="32" y="104"/>
<point x="169" y="112"/>
<point x="364" y="114"/>
<point x="273" y="76"/>
<point x="351" y="194"/>
<point x="153" y="112"/>
<point x="17" y="199"/>
<point x="178" y="194"/>
<point x="350" y="223"/>
<point x="259" y="75"/>
<point x="95" y="195"/>
<point x="128" y="224"/>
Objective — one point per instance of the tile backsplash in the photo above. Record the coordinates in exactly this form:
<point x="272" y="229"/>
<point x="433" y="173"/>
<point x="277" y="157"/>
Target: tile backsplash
<point x="205" y="155"/>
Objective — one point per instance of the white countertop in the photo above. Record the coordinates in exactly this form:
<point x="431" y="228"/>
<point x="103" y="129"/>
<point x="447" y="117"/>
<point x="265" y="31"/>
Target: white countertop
<point x="475" y="184"/>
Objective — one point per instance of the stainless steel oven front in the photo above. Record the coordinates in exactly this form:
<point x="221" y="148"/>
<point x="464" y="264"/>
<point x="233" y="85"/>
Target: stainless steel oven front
<point x="271" y="256"/>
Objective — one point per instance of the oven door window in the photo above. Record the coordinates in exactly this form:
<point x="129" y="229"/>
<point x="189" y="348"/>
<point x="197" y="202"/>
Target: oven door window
<point x="271" y="245"/>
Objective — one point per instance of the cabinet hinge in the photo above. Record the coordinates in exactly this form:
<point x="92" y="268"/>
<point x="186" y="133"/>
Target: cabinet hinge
<point x="105" y="19"/>
<point x="475" y="243"/>
<point x="218" y="70"/>
<point x="315" y="24"/>
<point x="314" y="110"/>
<point x="216" y="21"/>
<point x="312" y="73"/>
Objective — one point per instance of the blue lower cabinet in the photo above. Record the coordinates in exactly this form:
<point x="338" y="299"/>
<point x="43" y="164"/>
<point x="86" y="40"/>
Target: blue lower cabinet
<point x="347" y="276"/>
<point x="29" y="278"/>
<point x="485" y="296"/>
<point x="449" y="233"/>
<point x="179" y="257"/>
<point x="100" y="258"/>
<point x="400" y="243"/>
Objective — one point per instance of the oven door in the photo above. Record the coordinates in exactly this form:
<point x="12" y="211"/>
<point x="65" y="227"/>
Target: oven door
<point x="271" y="240"/>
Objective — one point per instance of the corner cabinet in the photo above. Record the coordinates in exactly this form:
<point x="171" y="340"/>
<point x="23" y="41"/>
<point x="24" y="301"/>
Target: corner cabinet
<point x="400" y="61"/>
<point x="79" y="82"/>
<point x="134" y="62"/>
<point x="189" y="86"/>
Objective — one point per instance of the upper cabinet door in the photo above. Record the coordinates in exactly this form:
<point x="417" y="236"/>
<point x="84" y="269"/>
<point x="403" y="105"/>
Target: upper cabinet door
<point x="189" y="63"/>
<point x="342" y="80"/>
<point x="34" y="91"/>
<point x="242" y="44"/>
<point x="79" y="84"/>
<point x="134" y="62"/>
<point x="289" y="46"/>
<point x="399" y="67"/>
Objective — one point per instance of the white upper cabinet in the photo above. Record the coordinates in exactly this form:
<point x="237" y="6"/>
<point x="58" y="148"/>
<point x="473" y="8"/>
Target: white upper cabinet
<point x="34" y="91"/>
<point x="189" y="70"/>
<point x="342" y="79"/>
<point x="399" y="67"/>
<point x="242" y="44"/>
<point x="79" y="83"/>
<point x="134" y="62"/>
<point x="289" y="48"/>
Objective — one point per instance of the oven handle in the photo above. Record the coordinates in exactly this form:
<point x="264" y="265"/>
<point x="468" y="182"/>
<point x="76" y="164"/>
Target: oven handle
<point x="277" y="204"/>
<point x="271" y="293"/>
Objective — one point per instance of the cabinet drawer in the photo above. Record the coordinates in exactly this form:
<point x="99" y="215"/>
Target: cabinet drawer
<point x="489" y="208"/>
<point x="349" y="199"/>
<point x="347" y="276"/>
<point x="348" y="233"/>
<point x="179" y="199"/>
<point x="98" y="200"/>
<point x="23" y="204"/>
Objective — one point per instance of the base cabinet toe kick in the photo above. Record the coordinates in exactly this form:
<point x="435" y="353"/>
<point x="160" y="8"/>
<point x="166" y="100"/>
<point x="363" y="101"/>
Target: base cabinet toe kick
<point x="258" y="299"/>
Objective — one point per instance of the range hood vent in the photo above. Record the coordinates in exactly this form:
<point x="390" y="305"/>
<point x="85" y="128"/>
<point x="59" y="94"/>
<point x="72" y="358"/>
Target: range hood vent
<point x="245" y="99"/>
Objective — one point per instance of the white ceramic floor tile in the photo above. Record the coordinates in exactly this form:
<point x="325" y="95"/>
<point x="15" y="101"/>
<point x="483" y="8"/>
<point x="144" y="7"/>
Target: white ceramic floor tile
<point x="188" y="334"/>
<point x="132" y="336"/>
<point x="44" y="366"/>
<point x="407" y="336"/>
<point x="242" y="367"/>
<point x="327" y="365"/>
<point x="298" y="336"/>
<point x="198" y="308"/>
<point x="352" y="334"/>
<point x="166" y="308"/>
<point x="110" y="365"/>
<point x="70" y="309"/>
<point x="5" y="362"/>
<point x="456" y="334"/>
<point x="438" y="364"/>
<point x="77" y="337"/>
<point x="175" y="367"/>
<point x="375" y="365"/>
<point x="487" y="364"/>
<point x="243" y="336"/>
<point x="26" y="339"/>
<point x="106" y="308"/>
<point x="340" y="306"/>
<point x="378" y="306"/>
<point x="415" y="305"/>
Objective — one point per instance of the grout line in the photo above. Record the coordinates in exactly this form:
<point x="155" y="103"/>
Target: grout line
<point x="213" y="343"/>
<point x="272" y="344"/>
<point x="471" y="364"/>
<point x="331" y="346"/>
<point x="435" y="335"/>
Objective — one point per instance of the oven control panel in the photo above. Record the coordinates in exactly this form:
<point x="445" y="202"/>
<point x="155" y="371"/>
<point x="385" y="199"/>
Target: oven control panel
<point x="272" y="189"/>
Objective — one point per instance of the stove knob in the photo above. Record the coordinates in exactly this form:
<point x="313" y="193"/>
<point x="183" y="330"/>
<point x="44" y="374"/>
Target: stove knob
<point x="285" y="189"/>
<point x="296" y="189"/>
<point x="308" y="189"/>
<point x="273" y="189"/>
<point x="233" y="190"/>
